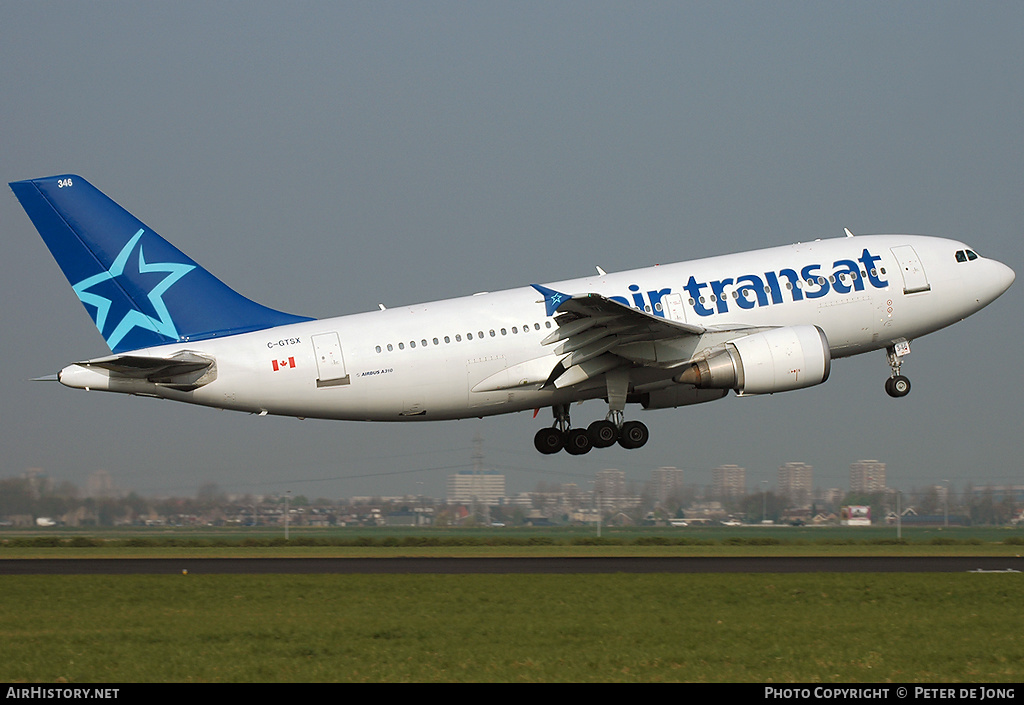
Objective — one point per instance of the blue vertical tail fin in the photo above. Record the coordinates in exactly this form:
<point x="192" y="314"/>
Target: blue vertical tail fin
<point x="140" y="290"/>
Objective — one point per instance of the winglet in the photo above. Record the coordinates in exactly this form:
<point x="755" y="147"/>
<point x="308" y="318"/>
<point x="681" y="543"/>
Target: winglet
<point x="552" y="299"/>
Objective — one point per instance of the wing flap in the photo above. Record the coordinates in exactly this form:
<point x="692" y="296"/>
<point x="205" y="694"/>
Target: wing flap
<point x="592" y="327"/>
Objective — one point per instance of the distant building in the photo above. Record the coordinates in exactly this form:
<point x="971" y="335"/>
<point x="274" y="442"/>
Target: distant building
<point x="37" y="479"/>
<point x="729" y="482"/>
<point x="855" y="515"/>
<point x="831" y="495"/>
<point x="999" y="493"/>
<point x="867" y="477"/>
<point x="610" y="488"/>
<point x="571" y="494"/>
<point x="666" y="483"/>
<point x="407" y="517"/>
<point x="795" y="482"/>
<point x="712" y="510"/>
<point x="100" y="484"/>
<point x="469" y="487"/>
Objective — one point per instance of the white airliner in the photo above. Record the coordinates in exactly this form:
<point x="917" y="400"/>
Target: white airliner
<point x="757" y="322"/>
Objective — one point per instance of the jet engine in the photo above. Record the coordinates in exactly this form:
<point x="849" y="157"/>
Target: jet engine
<point x="777" y="360"/>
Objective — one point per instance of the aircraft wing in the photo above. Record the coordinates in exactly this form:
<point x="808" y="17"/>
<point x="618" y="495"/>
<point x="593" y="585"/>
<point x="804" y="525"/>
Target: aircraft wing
<point x="591" y="327"/>
<point x="597" y="306"/>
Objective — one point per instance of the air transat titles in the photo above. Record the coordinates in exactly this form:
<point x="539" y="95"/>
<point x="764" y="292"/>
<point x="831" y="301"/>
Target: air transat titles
<point x="755" y="290"/>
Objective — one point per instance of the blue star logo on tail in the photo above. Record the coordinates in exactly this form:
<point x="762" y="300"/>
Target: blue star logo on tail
<point x="161" y="323"/>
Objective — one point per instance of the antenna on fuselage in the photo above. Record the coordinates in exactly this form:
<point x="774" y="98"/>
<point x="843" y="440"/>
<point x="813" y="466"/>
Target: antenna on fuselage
<point x="848" y="233"/>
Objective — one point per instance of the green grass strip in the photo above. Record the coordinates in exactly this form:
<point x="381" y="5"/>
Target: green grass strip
<point x="512" y="628"/>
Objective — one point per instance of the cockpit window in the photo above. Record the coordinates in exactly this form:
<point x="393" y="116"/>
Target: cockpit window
<point x="971" y="255"/>
<point x="965" y="255"/>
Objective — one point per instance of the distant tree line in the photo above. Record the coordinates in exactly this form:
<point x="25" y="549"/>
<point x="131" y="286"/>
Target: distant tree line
<point x="35" y="497"/>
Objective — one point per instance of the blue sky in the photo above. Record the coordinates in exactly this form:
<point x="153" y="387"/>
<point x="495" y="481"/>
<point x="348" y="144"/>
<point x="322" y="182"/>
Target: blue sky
<point x="322" y="157"/>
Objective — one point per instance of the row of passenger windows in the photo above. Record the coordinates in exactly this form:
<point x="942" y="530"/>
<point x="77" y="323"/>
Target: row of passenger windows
<point x="747" y="291"/>
<point x="479" y="335"/>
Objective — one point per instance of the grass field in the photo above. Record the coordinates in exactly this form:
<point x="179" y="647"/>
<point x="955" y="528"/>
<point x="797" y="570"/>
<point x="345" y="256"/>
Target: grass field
<point x="830" y="628"/>
<point x="562" y="541"/>
<point x="508" y="628"/>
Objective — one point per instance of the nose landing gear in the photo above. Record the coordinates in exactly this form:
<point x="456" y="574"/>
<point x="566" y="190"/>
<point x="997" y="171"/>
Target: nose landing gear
<point x="897" y="385"/>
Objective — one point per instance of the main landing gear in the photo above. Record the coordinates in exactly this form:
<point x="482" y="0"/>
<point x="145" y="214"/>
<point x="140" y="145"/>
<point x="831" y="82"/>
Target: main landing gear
<point x="897" y="385"/>
<point x="600" y="434"/>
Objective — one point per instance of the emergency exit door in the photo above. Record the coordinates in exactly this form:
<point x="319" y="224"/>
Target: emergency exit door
<point x="914" y="277"/>
<point x="330" y="363"/>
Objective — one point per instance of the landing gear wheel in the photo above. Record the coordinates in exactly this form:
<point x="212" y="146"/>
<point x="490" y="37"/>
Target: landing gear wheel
<point x="634" y="434"/>
<point x="577" y="442"/>
<point x="549" y="440"/>
<point x="898" y="386"/>
<point x="603" y="434"/>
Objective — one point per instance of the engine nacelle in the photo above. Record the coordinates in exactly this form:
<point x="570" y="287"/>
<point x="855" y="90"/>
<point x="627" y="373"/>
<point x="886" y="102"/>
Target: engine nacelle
<point x="777" y="360"/>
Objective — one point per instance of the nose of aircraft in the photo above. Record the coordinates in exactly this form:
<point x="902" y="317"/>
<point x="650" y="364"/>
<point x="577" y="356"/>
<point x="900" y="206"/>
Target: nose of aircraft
<point x="998" y="279"/>
<point x="1004" y="276"/>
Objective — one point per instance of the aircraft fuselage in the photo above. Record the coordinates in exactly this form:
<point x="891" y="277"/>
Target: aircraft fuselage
<point x="422" y="362"/>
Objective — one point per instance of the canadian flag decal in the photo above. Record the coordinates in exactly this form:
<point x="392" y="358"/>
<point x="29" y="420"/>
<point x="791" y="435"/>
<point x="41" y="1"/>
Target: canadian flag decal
<point x="282" y="364"/>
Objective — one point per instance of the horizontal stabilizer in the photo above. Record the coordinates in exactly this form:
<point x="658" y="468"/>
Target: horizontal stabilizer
<point x="183" y="371"/>
<point x="148" y="368"/>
